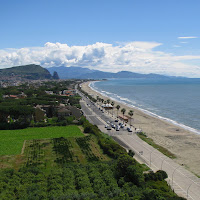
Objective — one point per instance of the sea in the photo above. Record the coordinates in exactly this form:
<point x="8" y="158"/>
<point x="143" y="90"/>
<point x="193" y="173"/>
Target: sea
<point x="175" y="100"/>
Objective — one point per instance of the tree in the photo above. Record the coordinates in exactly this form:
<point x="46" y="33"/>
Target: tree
<point x="135" y="174"/>
<point x="131" y="153"/>
<point x="123" y="162"/>
<point x="118" y="107"/>
<point x="108" y="101"/>
<point x="123" y="110"/>
<point x="98" y="99"/>
<point x="130" y="114"/>
<point x="112" y="106"/>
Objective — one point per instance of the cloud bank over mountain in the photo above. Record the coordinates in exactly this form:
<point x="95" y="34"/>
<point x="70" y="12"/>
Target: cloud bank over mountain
<point x="141" y="57"/>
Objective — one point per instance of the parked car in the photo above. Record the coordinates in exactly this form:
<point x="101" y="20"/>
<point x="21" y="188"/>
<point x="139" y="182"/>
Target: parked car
<point x="129" y="130"/>
<point x="108" y="128"/>
<point x="117" y="128"/>
<point x="116" y="120"/>
<point x="138" y="130"/>
<point x="113" y="126"/>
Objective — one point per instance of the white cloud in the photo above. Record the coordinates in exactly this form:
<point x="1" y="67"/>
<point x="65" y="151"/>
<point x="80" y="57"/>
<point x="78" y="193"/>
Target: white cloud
<point x="184" y="42"/>
<point x="136" y="56"/>
<point x="188" y="37"/>
<point x="176" y="46"/>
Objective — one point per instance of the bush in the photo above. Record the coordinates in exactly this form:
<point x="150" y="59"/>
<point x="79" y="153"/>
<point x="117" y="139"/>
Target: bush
<point x="161" y="175"/>
<point x="131" y="153"/>
<point x="158" y="176"/>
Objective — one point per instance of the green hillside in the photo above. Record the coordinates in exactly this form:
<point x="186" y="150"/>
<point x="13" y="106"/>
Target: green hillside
<point x="32" y="71"/>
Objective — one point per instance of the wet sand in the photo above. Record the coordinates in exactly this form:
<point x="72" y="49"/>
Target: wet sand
<point x="179" y="141"/>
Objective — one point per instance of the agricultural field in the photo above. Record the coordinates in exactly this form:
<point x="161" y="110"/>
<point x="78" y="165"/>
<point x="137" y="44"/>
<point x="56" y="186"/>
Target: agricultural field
<point x="58" y="152"/>
<point x="78" y="166"/>
<point x="12" y="140"/>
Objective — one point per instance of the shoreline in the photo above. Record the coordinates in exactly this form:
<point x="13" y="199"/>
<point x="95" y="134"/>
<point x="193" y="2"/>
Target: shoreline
<point x="184" y="143"/>
<point x="188" y="128"/>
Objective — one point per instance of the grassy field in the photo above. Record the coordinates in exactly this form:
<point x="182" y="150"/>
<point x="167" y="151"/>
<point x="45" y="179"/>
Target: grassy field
<point x="12" y="140"/>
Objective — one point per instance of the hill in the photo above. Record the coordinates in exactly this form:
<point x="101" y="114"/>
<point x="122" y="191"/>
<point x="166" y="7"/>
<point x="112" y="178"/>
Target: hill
<point x="85" y="73"/>
<point x="31" y="72"/>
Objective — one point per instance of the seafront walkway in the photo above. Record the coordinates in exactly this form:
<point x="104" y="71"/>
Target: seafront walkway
<point x="181" y="180"/>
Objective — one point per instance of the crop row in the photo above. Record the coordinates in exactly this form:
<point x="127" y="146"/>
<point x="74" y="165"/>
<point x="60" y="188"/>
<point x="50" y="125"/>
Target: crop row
<point x="84" y="143"/>
<point x="34" y="153"/>
<point x="62" y="146"/>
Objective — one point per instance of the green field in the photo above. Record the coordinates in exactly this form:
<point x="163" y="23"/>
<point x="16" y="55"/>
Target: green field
<point x="11" y="141"/>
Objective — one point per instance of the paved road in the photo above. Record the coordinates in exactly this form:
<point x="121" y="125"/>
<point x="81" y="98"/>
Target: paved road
<point x="181" y="180"/>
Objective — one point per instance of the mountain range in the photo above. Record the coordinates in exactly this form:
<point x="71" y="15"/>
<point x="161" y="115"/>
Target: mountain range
<point x="36" y="72"/>
<point x="85" y="73"/>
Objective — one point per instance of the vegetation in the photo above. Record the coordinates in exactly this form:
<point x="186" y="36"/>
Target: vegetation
<point x="130" y="113"/>
<point x="12" y="140"/>
<point x="118" y="107"/>
<point x="123" y="110"/>
<point x="18" y="104"/>
<point x="70" y="168"/>
<point x="33" y="72"/>
<point x="85" y="148"/>
<point x="156" y="146"/>
<point x="63" y="163"/>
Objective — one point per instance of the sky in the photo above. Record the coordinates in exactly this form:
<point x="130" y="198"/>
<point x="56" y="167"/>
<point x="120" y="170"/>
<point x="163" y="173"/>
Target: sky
<point x="145" y="36"/>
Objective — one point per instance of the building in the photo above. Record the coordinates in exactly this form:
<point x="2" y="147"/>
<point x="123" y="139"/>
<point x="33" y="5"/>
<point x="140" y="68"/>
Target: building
<point x="123" y="118"/>
<point x="107" y="106"/>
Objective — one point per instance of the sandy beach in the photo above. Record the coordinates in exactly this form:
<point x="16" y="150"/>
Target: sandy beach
<point x="181" y="142"/>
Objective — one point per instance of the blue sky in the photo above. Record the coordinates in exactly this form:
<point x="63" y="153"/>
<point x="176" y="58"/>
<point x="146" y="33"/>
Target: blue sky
<point x="28" y="24"/>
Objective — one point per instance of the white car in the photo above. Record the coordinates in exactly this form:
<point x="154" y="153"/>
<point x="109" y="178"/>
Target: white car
<point x="129" y="130"/>
<point x="117" y="128"/>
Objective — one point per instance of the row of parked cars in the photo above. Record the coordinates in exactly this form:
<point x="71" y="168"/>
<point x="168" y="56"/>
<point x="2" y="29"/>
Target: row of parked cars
<point x="116" y="127"/>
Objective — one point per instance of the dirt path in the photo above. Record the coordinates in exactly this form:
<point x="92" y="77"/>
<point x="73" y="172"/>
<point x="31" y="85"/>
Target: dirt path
<point x="22" y="152"/>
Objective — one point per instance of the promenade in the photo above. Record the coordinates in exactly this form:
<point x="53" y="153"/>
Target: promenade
<point x="183" y="182"/>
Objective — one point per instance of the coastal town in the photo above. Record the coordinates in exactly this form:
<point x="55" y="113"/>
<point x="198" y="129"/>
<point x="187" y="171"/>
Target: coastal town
<point x="99" y="100"/>
<point x="46" y="103"/>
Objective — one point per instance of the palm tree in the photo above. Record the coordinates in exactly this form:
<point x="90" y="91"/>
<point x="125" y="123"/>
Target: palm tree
<point x="98" y="99"/>
<point x="123" y="110"/>
<point x="118" y="107"/>
<point x="108" y="101"/>
<point x="112" y="106"/>
<point x="130" y="114"/>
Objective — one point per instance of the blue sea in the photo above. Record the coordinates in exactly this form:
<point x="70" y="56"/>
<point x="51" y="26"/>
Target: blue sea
<point x="176" y="100"/>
